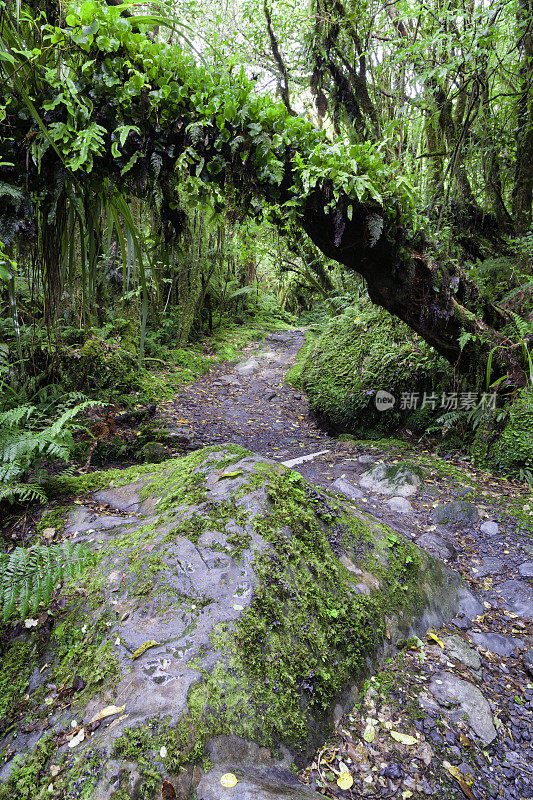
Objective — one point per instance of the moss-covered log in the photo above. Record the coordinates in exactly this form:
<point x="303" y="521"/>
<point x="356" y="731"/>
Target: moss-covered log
<point x="143" y="114"/>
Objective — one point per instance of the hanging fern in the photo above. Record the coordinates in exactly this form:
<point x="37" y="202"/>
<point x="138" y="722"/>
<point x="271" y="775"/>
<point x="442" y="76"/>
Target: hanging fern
<point x="29" y="576"/>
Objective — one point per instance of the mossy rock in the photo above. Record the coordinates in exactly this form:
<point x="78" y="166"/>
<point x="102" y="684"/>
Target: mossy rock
<point x="361" y="352"/>
<point x="154" y="452"/>
<point x="507" y="446"/>
<point x="100" y="365"/>
<point x="231" y="599"/>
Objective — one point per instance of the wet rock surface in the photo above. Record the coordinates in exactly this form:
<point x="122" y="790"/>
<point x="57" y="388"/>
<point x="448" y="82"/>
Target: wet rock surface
<point x="449" y="691"/>
<point x="187" y="577"/>
<point x="488" y="546"/>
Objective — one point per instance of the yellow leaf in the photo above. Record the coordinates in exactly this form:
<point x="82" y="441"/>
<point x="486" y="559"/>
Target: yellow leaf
<point x="229" y="780"/>
<point x="344" y="781"/>
<point x="143" y="647"/>
<point x="108" y="711"/>
<point x="435" y="639"/>
<point x="182" y="421"/>
<point x="403" y="738"/>
<point x="456" y="773"/>
<point x="370" y="732"/>
<point x="230" y="474"/>
<point x="406" y="794"/>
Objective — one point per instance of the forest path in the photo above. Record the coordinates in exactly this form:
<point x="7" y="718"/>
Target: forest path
<point x="471" y="684"/>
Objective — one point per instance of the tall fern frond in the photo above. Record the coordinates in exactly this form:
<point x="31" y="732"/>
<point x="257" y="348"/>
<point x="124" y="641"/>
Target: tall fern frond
<point x="28" y="576"/>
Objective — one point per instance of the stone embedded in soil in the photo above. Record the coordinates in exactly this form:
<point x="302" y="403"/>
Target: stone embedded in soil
<point x="260" y="778"/>
<point x="488" y="566"/>
<point x="397" y="480"/>
<point x="490" y="528"/>
<point x="437" y="546"/>
<point x="457" y="648"/>
<point x="527" y="659"/>
<point x="247" y="367"/>
<point x="496" y="642"/>
<point x="457" y="513"/>
<point x="400" y="504"/>
<point x="451" y="690"/>
<point x="518" y="597"/>
<point x="347" y="488"/>
<point x="470" y="606"/>
<point x="83" y="519"/>
<point x="526" y="569"/>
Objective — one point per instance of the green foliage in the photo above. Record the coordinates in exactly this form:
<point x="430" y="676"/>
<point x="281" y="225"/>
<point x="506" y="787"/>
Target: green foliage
<point x="28" y="576"/>
<point x="514" y="449"/>
<point x="360" y="352"/>
<point x="495" y="277"/>
<point x="25" y="442"/>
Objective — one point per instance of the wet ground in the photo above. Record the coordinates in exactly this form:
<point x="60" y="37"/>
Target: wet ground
<point x="466" y="694"/>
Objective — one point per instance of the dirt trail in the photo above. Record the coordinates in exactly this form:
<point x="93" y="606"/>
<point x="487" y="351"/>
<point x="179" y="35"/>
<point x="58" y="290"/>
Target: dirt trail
<point x="485" y="652"/>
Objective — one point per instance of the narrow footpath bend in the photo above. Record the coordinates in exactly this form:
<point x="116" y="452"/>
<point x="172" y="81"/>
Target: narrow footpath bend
<point x="467" y="693"/>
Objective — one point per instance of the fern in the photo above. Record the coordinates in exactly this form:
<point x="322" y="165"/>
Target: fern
<point x="25" y="441"/>
<point x="29" y="576"/>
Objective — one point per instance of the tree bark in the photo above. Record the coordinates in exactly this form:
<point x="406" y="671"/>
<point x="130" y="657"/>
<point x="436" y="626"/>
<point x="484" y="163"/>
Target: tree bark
<point x="523" y="182"/>
<point x="439" y="306"/>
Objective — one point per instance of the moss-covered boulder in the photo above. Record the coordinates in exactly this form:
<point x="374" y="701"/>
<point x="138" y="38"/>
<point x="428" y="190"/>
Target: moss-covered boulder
<point x="230" y="599"/>
<point x="504" y="439"/>
<point x="360" y="353"/>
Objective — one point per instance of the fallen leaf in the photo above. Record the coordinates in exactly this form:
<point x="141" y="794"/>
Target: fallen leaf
<point x="344" y="781"/>
<point x="230" y="474"/>
<point x="167" y="791"/>
<point x="462" y="779"/>
<point x="49" y="533"/>
<point x="108" y="711"/>
<point x="370" y="732"/>
<point x="435" y="638"/>
<point x="77" y="739"/>
<point x="143" y="648"/>
<point x="403" y="738"/>
<point x="228" y="780"/>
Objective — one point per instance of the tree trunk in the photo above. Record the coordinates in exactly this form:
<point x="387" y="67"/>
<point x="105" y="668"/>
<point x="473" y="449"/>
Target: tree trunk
<point x="523" y="183"/>
<point x="439" y="306"/>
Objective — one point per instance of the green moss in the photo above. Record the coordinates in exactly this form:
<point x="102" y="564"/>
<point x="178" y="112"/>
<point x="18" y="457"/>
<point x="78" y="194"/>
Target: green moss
<point x="162" y="475"/>
<point x="29" y="779"/>
<point x="81" y="649"/>
<point x="512" y="451"/>
<point x="101" y="366"/>
<point x="294" y="375"/>
<point x="53" y="518"/>
<point x="360" y="352"/>
<point x="18" y="661"/>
